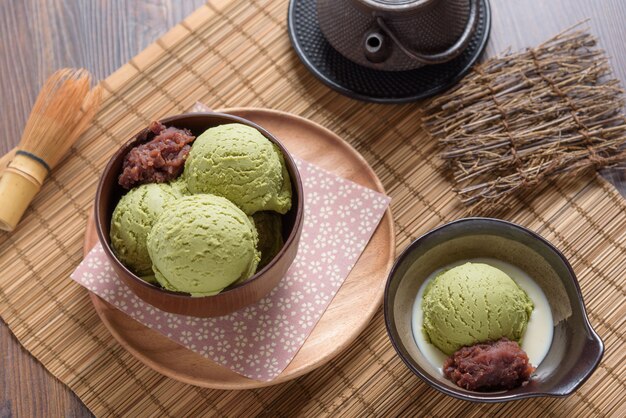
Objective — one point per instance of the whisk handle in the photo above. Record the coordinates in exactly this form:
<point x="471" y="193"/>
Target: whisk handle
<point x="6" y="159"/>
<point x="19" y="184"/>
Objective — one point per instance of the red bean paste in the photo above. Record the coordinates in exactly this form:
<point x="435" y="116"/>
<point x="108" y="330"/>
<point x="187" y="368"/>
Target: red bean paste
<point x="490" y="366"/>
<point x="159" y="160"/>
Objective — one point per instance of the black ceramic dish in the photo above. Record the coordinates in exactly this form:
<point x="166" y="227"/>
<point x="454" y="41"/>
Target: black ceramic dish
<point x="367" y="84"/>
<point x="576" y="349"/>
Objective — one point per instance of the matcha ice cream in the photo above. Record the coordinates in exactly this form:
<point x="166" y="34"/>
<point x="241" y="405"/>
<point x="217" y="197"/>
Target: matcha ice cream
<point x="474" y="303"/>
<point x="269" y="225"/>
<point x="237" y="162"/>
<point x="202" y="245"/>
<point x="133" y="218"/>
<point x="180" y="186"/>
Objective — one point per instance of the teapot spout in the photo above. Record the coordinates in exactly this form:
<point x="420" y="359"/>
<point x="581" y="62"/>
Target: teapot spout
<point x="376" y="46"/>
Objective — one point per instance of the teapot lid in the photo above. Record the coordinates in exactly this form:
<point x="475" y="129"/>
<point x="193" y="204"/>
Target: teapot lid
<point x="393" y="5"/>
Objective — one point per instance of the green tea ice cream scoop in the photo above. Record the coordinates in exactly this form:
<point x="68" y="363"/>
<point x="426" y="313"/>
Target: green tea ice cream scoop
<point x="269" y="225"/>
<point x="237" y="162"/>
<point x="202" y="245"/>
<point x="474" y="303"/>
<point x="132" y="219"/>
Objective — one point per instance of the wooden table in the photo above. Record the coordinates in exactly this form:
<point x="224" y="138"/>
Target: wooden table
<point x="37" y="37"/>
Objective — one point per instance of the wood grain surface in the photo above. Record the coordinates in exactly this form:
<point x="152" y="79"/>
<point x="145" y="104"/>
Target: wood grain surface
<point x="37" y="37"/>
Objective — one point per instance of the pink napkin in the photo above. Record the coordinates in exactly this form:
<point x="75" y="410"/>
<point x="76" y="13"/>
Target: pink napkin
<point x="260" y="341"/>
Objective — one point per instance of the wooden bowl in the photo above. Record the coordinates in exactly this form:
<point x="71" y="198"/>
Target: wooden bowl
<point x="232" y="298"/>
<point x="575" y="350"/>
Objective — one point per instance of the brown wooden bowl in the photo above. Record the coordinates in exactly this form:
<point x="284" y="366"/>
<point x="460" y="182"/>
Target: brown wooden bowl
<point x="233" y="298"/>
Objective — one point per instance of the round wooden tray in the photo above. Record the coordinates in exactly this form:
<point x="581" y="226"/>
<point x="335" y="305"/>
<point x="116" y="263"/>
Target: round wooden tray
<point x="349" y="312"/>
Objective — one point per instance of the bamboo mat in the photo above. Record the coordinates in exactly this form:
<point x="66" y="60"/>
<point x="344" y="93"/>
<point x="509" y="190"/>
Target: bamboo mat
<point x="237" y="53"/>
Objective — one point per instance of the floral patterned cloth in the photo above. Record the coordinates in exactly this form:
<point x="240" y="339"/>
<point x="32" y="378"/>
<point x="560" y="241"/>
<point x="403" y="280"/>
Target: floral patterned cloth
<point x="259" y="341"/>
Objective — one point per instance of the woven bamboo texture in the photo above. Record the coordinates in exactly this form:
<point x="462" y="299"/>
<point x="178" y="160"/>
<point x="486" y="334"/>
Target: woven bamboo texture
<point x="237" y="53"/>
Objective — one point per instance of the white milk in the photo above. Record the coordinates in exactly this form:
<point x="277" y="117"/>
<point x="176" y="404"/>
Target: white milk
<point x="538" y="336"/>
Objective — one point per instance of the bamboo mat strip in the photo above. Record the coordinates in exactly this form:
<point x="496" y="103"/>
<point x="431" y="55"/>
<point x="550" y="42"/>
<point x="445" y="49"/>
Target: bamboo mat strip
<point x="237" y="53"/>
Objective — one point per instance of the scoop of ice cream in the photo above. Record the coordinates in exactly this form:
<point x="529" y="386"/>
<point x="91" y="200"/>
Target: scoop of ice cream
<point x="269" y="225"/>
<point x="202" y="244"/>
<point x="133" y="218"/>
<point x="180" y="186"/>
<point x="474" y="303"/>
<point x="237" y="162"/>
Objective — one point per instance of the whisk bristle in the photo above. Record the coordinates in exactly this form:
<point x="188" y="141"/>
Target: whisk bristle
<point x="63" y="110"/>
<point x="61" y="113"/>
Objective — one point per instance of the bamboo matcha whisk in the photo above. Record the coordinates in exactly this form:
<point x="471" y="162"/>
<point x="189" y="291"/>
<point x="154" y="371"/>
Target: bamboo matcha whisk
<point x="63" y="110"/>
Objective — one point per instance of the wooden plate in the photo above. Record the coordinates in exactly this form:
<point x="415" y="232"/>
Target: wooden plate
<point x="349" y="312"/>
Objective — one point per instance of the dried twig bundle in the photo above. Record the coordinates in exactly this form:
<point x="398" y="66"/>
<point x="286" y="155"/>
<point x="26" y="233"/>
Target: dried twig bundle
<point x="521" y="118"/>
